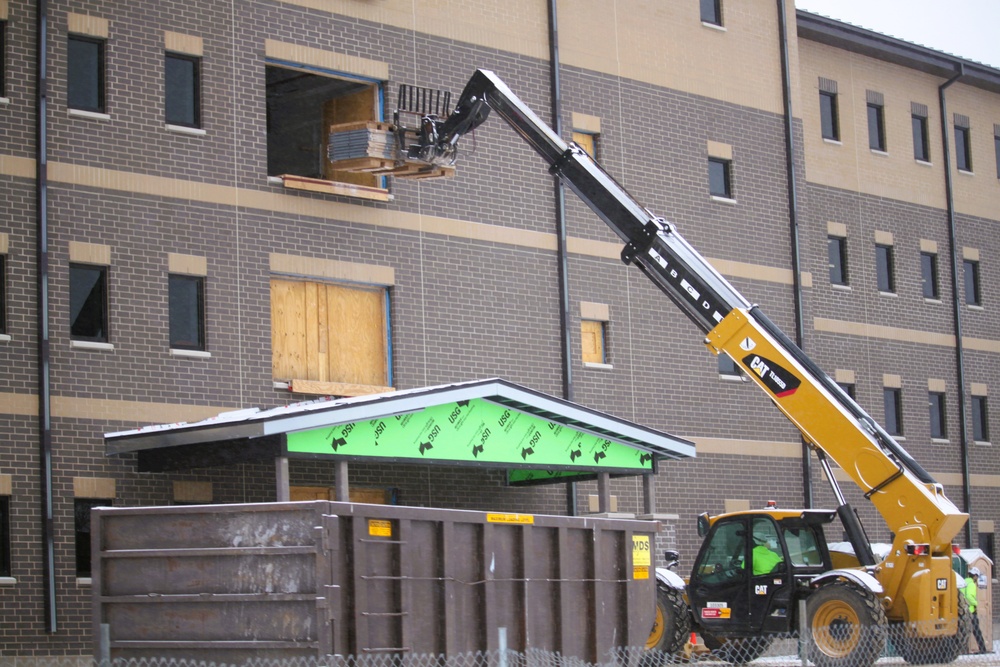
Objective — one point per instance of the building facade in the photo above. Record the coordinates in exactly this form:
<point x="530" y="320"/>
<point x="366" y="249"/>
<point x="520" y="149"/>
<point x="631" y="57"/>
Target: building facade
<point x="173" y="245"/>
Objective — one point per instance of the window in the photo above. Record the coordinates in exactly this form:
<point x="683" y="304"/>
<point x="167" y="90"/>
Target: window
<point x="719" y="178"/>
<point x="884" y="268"/>
<point x="85" y="74"/>
<point x="5" y="570"/>
<point x="728" y="367"/>
<point x="3" y="58"/>
<point x="88" y="302"/>
<point x="301" y="107"/>
<point x="711" y="11"/>
<point x="986" y="545"/>
<point x="996" y="149"/>
<point x="593" y="338"/>
<point x="587" y="141"/>
<point x="837" y="249"/>
<point x="182" y="90"/>
<point x="848" y="388"/>
<point x="963" y="148"/>
<point x="876" y="127"/>
<point x="973" y="295"/>
<point x="893" y="401"/>
<point x="326" y="336"/>
<point x="828" y="115"/>
<point x="187" y="312"/>
<point x="929" y="275"/>
<point x="921" y="145"/>
<point x="980" y="419"/>
<point x="935" y="400"/>
<point x="3" y="294"/>
<point x="81" y="520"/>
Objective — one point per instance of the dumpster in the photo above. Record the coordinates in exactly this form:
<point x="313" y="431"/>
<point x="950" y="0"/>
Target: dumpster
<point x="230" y="583"/>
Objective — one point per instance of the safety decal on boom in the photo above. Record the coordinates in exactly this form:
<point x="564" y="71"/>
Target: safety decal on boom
<point x="778" y="381"/>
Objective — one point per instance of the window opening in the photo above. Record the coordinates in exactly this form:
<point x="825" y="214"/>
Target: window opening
<point x="884" y="268"/>
<point x="876" y="127"/>
<point x="593" y="341"/>
<point x="980" y="419"/>
<point x="182" y="90"/>
<point x="828" y="115"/>
<point x="837" y="251"/>
<point x="81" y="521"/>
<point x="5" y="564"/>
<point x="88" y="300"/>
<point x="929" y="275"/>
<point x="937" y="415"/>
<point x="187" y="312"/>
<point x="893" y="403"/>
<point x="711" y="12"/>
<point x="921" y="146"/>
<point x="720" y="178"/>
<point x="973" y="295"/>
<point x="85" y="74"/>
<point x="301" y="107"/>
<point x="963" y="148"/>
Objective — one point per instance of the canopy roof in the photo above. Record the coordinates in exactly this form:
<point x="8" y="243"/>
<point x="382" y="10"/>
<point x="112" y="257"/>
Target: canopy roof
<point x="492" y="423"/>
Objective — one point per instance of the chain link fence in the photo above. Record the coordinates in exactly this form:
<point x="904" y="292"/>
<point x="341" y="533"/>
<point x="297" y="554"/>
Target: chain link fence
<point x="834" y="646"/>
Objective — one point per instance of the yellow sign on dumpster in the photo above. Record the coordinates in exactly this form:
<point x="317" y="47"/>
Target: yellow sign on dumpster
<point x="641" y="557"/>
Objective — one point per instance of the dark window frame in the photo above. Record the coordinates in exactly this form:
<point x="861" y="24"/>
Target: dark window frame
<point x="3" y="294"/>
<point x="921" y="140"/>
<point x="885" y="269"/>
<point x="3" y="58"/>
<point x="930" y="285"/>
<point x="980" y="419"/>
<point x="963" y="148"/>
<point x="996" y="150"/>
<point x="714" y="163"/>
<point x="876" y="127"/>
<point x="195" y="91"/>
<point x="178" y="340"/>
<point x="103" y="315"/>
<point x="937" y="405"/>
<point x="82" y="531"/>
<point x="892" y="402"/>
<point x="5" y="550"/>
<point x="829" y="116"/>
<point x="850" y="389"/>
<point x="837" y="257"/>
<point x="100" y="75"/>
<point x="971" y="279"/>
<point x="711" y="12"/>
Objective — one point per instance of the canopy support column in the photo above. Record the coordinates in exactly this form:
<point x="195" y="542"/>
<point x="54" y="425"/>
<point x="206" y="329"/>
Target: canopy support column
<point x="342" y="491"/>
<point x="281" y="479"/>
<point x="603" y="493"/>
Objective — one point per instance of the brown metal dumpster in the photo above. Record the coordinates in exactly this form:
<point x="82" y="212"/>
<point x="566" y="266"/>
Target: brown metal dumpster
<point x="227" y="583"/>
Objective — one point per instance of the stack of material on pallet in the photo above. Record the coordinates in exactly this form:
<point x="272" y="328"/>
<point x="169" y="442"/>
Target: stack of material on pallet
<point x="371" y="147"/>
<point x="362" y="146"/>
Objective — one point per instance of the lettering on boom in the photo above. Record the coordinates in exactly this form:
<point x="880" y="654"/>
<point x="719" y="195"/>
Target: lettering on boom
<point x="778" y="380"/>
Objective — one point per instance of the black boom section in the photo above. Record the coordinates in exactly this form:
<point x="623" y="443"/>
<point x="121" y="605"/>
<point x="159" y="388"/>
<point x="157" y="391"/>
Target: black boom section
<point x="664" y="256"/>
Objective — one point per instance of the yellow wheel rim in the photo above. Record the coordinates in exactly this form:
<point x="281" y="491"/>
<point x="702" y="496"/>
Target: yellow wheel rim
<point x="836" y="628"/>
<point x="656" y="634"/>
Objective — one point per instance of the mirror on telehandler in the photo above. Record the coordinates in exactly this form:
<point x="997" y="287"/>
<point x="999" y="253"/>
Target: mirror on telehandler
<point x="703" y="524"/>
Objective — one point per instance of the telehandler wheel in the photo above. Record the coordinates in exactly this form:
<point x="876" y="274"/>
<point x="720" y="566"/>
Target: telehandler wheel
<point x="737" y="650"/>
<point x="927" y="650"/>
<point x="847" y="626"/>
<point x="672" y="623"/>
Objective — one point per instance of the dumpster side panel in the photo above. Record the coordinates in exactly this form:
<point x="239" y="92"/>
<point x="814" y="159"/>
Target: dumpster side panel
<point x="224" y="583"/>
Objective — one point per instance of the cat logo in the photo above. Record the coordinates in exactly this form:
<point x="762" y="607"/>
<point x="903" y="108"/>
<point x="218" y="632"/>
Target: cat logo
<point x="760" y="589"/>
<point x="747" y="344"/>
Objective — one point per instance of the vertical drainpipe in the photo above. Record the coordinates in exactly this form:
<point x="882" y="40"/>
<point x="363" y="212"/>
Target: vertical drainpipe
<point x="42" y="246"/>
<point x="561" y="254"/>
<point x="955" y="302"/>
<point x="793" y="221"/>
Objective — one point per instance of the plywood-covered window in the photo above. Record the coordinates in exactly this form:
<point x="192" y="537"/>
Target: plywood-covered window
<point x="330" y="338"/>
<point x="593" y="341"/>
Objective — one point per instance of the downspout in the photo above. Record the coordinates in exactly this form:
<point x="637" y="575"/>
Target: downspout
<point x="42" y="248"/>
<point x="793" y="221"/>
<point x="955" y="301"/>
<point x="561" y="253"/>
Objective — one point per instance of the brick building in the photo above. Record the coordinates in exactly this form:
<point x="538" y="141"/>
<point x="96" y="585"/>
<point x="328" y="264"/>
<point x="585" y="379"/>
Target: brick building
<point x="175" y="257"/>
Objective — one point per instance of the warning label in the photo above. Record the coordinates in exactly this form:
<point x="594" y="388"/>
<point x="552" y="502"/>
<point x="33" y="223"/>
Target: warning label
<point x="712" y="612"/>
<point x="379" y="528"/>
<point x="511" y="518"/>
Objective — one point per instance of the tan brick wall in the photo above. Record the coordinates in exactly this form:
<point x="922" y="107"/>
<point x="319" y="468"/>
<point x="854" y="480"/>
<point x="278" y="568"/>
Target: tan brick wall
<point x="851" y="165"/>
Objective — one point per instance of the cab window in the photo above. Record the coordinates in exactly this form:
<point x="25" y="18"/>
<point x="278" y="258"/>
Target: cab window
<point x="803" y="547"/>
<point x="724" y="555"/>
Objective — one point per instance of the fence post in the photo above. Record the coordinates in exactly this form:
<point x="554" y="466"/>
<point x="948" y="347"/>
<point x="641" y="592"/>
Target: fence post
<point x="803" y="630"/>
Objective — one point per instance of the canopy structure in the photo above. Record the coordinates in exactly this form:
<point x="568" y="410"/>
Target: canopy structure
<point x="494" y="423"/>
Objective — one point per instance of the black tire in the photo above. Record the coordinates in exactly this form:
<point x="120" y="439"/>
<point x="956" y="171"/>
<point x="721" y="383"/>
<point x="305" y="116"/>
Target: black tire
<point x="737" y="650"/>
<point x="672" y="624"/>
<point x="927" y="650"/>
<point x="847" y="626"/>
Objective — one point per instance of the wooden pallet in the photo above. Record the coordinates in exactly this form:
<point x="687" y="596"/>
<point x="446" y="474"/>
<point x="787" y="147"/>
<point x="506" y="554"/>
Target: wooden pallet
<point x="418" y="170"/>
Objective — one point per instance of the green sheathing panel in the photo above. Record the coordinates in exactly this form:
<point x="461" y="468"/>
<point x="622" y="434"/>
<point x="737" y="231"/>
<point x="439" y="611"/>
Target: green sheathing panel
<point x="476" y="432"/>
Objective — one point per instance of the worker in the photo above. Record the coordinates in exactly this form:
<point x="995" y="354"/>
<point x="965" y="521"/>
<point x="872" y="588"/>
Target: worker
<point x="766" y="556"/>
<point x="972" y="595"/>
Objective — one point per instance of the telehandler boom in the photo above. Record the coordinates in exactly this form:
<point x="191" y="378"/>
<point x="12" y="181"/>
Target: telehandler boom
<point x="912" y="585"/>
